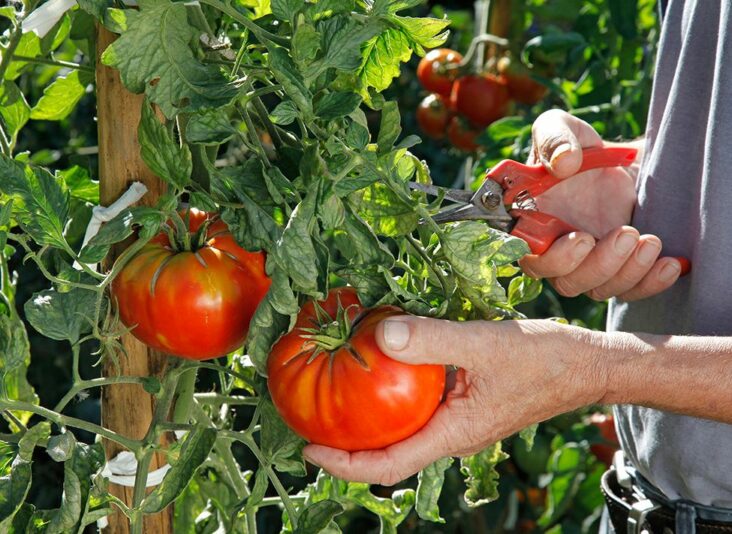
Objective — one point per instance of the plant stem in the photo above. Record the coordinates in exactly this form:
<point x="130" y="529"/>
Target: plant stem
<point x="226" y="370"/>
<point x="95" y="383"/>
<point x="216" y="398"/>
<point x="53" y="62"/>
<point x="64" y="420"/>
<point x="252" y="131"/>
<point x="261" y="34"/>
<point x="36" y="257"/>
<point x="145" y="453"/>
<point x="422" y="252"/>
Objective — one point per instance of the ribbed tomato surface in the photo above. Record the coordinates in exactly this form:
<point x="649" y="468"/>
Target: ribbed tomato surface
<point x="354" y="397"/>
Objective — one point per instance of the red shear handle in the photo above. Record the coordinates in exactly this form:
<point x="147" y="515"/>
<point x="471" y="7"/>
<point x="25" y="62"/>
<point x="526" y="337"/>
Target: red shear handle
<point x="538" y="229"/>
<point x="541" y="230"/>
<point x="516" y="177"/>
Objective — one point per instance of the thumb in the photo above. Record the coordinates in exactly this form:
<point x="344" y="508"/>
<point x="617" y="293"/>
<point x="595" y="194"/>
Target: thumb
<point x="558" y="139"/>
<point x="421" y="340"/>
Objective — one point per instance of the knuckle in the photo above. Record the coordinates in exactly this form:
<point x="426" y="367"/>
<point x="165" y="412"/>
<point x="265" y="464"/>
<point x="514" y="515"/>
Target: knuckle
<point x="565" y="287"/>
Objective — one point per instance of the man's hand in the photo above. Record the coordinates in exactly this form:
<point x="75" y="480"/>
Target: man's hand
<point x="511" y="375"/>
<point x="608" y="258"/>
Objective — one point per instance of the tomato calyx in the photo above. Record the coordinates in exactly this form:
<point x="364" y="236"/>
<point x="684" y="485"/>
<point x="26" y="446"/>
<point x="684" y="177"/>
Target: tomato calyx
<point x="329" y="335"/>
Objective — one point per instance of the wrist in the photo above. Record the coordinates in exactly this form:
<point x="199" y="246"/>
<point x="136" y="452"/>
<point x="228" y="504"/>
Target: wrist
<point x="619" y="357"/>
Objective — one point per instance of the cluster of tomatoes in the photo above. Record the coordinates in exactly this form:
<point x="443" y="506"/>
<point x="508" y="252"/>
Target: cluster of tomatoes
<point x="461" y="106"/>
<point x="194" y="295"/>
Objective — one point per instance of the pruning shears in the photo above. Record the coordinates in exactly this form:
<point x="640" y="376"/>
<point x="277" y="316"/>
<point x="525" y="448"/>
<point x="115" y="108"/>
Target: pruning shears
<point x="506" y="198"/>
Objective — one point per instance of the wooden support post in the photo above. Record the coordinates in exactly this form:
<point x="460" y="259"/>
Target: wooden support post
<point x="126" y="409"/>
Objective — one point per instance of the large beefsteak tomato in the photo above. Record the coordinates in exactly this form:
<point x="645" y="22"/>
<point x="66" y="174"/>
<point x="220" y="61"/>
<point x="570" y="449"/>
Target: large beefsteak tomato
<point x="195" y="303"/>
<point x="333" y="386"/>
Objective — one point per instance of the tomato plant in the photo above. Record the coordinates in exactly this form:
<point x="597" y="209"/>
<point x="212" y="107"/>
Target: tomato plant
<point x="433" y="116"/>
<point x="433" y="71"/>
<point x="481" y="99"/>
<point x="332" y="384"/>
<point x="192" y="295"/>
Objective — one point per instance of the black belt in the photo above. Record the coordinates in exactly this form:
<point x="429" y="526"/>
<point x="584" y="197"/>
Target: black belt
<point x="633" y="513"/>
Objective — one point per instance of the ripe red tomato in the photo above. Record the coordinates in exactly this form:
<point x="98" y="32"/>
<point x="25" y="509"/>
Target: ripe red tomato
<point x="606" y="425"/>
<point x="481" y="99"/>
<point x="343" y="391"/>
<point x="462" y="135"/>
<point x="432" y="74"/>
<point x="521" y="87"/>
<point x="433" y="116"/>
<point x="195" y="305"/>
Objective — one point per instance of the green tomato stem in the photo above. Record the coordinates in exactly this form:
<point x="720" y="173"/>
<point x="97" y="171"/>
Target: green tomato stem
<point x="259" y="32"/>
<point x="53" y="62"/>
<point x="95" y="383"/>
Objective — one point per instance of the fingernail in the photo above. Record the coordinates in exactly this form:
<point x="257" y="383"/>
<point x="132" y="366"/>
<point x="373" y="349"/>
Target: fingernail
<point x="670" y="271"/>
<point x="560" y="152"/>
<point x="625" y="242"/>
<point x="396" y="334"/>
<point x="648" y="252"/>
<point x="582" y="249"/>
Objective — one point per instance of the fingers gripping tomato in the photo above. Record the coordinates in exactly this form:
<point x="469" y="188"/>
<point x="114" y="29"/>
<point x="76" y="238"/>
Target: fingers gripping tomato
<point x="433" y="116"/>
<point x="195" y="303"/>
<point x="432" y="72"/>
<point x="333" y="386"/>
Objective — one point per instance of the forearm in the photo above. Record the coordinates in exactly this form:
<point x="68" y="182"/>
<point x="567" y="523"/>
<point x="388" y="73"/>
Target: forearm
<point x="681" y="374"/>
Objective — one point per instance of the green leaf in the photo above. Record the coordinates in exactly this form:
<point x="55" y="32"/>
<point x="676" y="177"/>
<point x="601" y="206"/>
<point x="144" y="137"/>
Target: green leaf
<point x="507" y="129"/>
<point x="386" y="213"/>
<point x="551" y="48"/>
<point x="286" y="73"/>
<point x="258" y="491"/>
<point x="60" y="98"/>
<point x="528" y="434"/>
<point x="337" y="104"/>
<point x="96" y="8"/>
<point x="171" y="77"/>
<point x="317" y="516"/>
<point x="423" y="32"/>
<point x="390" y="126"/>
<point x="15" y="348"/>
<point x="253" y="225"/>
<point x="286" y="9"/>
<point x="481" y="477"/>
<point x="473" y="249"/>
<point x="280" y="445"/>
<point x="86" y="461"/>
<point x="42" y="206"/>
<point x="285" y="113"/>
<point x="359" y="245"/>
<point x="61" y="316"/>
<point x="210" y="128"/>
<point x="14" y="110"/>
<point x="429" y="487"/>
<point x="120" y="228"/>
<point x="166" y="158"/>
<point x="328" y="8"/>
<point x="30" y="440"/>
<point x="196" y="449"/>
<point x="13" y="490"/>
<point x="523" y="289"/>
<point x="382" y="57"/>
<point x="61" y="447"/>
<point x="391" y="512"/>
<point x="343" y="39"/>
<point x="266" y="326"/>
<point x="295" y="251"/>
<point x="305" y="44"/>
<point x="80" y="184"/>
<point x="566" y="467"/>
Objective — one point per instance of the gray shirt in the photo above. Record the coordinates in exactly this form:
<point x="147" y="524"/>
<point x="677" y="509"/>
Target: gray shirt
<point x="685" y="197"/>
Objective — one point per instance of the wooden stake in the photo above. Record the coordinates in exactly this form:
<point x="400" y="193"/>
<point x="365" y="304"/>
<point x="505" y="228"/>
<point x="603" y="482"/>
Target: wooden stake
<point x="126" y="409"/>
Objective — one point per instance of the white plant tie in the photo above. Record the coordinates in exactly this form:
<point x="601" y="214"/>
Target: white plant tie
<point x="121" y="470"/>
<point x="101" y="214"/>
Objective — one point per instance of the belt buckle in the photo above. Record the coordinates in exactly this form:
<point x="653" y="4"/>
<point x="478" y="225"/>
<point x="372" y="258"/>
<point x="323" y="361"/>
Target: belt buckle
<point x="638" y="514"/>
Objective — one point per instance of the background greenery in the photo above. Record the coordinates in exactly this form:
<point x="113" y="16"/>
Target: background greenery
<point x="597" y="58"/>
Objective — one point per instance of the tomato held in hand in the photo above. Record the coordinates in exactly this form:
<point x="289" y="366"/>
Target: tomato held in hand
<point x="433" y="116"/>
<point x="195" y="303"/>
<point x="462" y="136"/>
<point x="521" y="87"/>
<point x="333" y="386"/>
<point x="481" y="99"/>
<point x="432" y="72"/>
